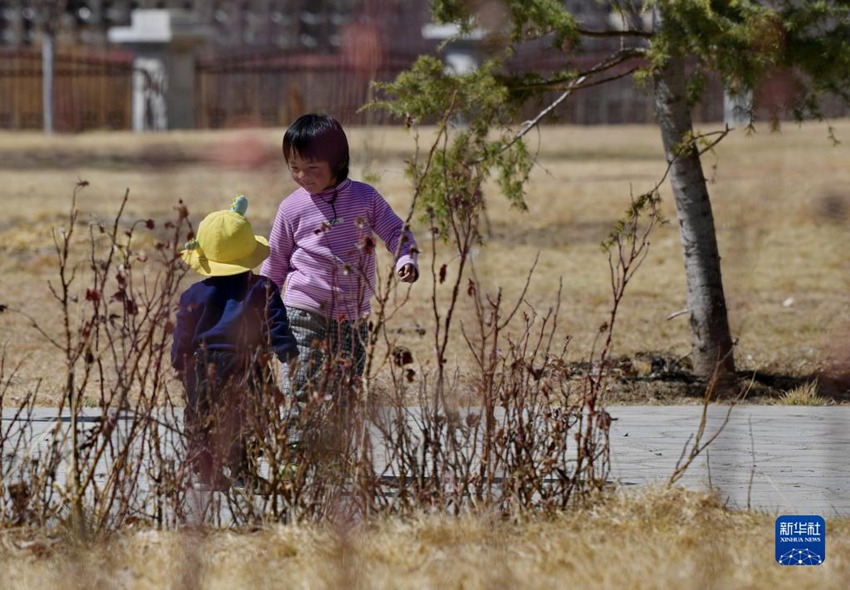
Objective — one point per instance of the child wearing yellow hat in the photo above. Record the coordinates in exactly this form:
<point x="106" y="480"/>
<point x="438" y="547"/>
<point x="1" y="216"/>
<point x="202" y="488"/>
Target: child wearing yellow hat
<point x="226" y="326"/>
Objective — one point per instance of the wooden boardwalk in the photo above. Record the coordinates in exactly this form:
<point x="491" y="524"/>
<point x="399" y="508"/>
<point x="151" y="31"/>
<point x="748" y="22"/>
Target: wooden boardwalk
<point x="774" y="459"/>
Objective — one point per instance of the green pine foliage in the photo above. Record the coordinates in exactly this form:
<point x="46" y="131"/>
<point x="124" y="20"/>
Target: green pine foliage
<point x="473" y="115"/>
<point x="741" y="42"/>
<point x="522" y="20"/>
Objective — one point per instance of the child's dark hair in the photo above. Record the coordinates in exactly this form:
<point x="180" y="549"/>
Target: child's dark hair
<point x="318" y="137"/>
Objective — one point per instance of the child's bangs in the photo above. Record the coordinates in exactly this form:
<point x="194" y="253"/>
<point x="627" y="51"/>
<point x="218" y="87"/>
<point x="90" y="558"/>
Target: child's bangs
<point x="309" y="151"/>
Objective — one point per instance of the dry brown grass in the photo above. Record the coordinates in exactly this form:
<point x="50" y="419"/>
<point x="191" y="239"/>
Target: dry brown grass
<point x="780" y="200"/>
<point x="782" y="211"/>
<point x="804" y="395"/>
<point x="658" y="538"/>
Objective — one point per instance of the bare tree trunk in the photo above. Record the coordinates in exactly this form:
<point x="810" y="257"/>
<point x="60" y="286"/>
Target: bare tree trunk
<point x="711" y="340"/>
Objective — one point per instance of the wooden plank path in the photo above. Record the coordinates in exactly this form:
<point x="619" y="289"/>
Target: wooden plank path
<point x="774" y="459"/>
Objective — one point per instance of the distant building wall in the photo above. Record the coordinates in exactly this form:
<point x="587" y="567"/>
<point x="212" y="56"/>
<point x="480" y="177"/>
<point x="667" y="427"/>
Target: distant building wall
<point x="247" y="25"/>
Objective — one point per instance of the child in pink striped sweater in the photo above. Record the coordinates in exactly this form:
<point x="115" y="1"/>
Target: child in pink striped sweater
<point x="323" y="252"/>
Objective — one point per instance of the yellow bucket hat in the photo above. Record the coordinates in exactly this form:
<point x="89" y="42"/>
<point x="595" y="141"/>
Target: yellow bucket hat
<point x="225" y="243"/>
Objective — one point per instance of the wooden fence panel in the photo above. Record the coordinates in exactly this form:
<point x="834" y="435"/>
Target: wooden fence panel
<point x="271" y="91"/>
<point x="91" y="90"/>
<point x="94" y="91"/>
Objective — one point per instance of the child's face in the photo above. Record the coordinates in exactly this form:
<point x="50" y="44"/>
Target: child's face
<point x="313" y="175"/>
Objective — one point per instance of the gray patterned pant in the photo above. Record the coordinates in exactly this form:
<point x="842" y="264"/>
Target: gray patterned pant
<point x="331" y="354"/>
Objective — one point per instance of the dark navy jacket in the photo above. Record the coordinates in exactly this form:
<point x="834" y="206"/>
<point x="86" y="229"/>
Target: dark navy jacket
<point x="242" y="314"/>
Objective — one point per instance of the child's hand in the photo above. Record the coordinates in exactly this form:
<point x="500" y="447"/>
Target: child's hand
<point x="408" y="273"/>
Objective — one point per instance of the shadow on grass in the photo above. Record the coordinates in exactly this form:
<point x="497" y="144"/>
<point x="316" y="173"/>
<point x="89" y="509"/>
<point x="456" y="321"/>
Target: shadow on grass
<point x="659" y="378"/>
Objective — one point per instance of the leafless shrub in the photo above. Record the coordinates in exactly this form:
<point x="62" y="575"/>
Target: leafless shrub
<point x="527" y="435"/>
<point x="90" y="471"/>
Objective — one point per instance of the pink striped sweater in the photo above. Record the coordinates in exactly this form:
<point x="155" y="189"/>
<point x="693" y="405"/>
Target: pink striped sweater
<point x="323" y="249"/>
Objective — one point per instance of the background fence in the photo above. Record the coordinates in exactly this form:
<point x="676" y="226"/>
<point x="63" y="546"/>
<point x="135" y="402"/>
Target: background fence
<point x="92" y="90"/>
<point x="272" y="90"/>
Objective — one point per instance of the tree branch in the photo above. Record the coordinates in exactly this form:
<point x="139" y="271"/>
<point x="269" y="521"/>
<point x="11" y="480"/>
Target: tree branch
<point x="614" y="34"/>
<point x="621" y="56"/>
<point x="602" y="81"/>
<point x="710" y="146"/>
<point x="611" y="61"/>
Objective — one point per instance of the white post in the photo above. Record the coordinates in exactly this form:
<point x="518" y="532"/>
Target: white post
<point x="163" y="83"/>
<point x="149" y="90"/>
<point x="47" y="49"/>
<point x="737" y="108"/>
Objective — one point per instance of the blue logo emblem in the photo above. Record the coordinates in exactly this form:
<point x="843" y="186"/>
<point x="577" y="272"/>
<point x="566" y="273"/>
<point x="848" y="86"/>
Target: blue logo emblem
<point x="800" y="540"/>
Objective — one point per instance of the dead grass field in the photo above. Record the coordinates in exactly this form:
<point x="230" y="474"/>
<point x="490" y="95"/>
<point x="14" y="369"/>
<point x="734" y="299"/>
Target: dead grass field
<point x="782" y="212"/>
<point x="656" y="539"/>
<point x="780" y="199"/>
